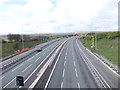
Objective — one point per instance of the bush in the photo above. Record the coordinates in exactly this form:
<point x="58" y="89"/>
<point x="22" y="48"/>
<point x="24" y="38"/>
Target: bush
<point x="3" y="41"/>
<point x="34" y="39"/>
<point x="101" y="35"/>
<point x="89" y="37"/>
<point x="113" y="35"/>
<point x="108" y="35"/>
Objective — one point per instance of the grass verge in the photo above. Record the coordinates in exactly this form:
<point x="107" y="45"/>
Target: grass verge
<point x="105" y="47"/>
<point x="8" y="48"/>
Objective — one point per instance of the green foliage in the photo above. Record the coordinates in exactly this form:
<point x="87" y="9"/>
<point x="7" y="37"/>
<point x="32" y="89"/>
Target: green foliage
<point x="101" y="35"/>
<point x="107" y="45"/>
<point x="16" y="45"/>
<point x="34" y="39"/>
<point x="113" y="35"/>
<point x="108" y="35"/>
<point x="9" y="48"/>
<point x="3" y="41"/>
<point x="89" y="37"/>
<point x="15" y="37"/>
<point x="26" y="37"/>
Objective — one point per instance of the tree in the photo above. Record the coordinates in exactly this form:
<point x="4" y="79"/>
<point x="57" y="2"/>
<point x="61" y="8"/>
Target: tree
<point x="15" y="37"/>
<point x="26" y="37"/>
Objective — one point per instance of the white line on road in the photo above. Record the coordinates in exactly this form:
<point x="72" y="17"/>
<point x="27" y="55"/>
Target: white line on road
<point x="73" y="56"/>
<point x="61" y="85"/>
<point x="53" y="68"/>
<point x="2" y="77"/>
<point x="93" y="66"/>
<point x="76" y="72"/>
<point x="38" y="66"/>
<point x="74" y="63"/>
<point x="37" y="59"/>
<point x="103" y="62"/>
<point x="30" y="58"/>
<point x="4" y="65"/>
<point x="34" y="70"/>
<point x="9" y="83"/>
<point x="65" y="57"/>
<point x="63" y="72"/>
<point x="38" y="53"/>
<point x="78" y="85"/>
<point x="66" y="51"/>
<point x="17" y="67"/>
<point x="64" y="63"/>
<point x="44" y="53"/>
<point x="30" y="74"/>
<point x="27" y="68"/>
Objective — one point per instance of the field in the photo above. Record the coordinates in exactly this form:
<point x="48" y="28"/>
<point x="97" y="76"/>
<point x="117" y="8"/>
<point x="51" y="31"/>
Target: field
<point x="8" y="48"/>
<point x="105" y="47"/>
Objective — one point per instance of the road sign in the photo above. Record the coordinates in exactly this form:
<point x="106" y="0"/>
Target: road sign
<point x="46" y="38"/>
<point x="19" y="81"/>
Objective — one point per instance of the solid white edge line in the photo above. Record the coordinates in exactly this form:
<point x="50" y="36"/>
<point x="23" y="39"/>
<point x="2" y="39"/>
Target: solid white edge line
<point x="38" y="66"/>
<point x="91" y="71"/>
<point x="9" y="83"/>
<point x="94" y="67"/>
<point x="53" y="69"/>
<point x="29" y="75"/>
<point x="103" y="62"/>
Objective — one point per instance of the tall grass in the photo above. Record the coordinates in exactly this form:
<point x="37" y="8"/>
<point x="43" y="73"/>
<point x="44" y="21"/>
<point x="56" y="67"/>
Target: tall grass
<point x="107" y="45"/>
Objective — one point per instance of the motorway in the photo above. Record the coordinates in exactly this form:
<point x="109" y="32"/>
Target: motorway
<point x="76" y="67"/>
<point x="73" y="67"/>
<point x="27" y="68"/>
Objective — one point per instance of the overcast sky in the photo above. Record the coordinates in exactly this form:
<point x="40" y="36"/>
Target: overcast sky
<point x="57" y="16"/>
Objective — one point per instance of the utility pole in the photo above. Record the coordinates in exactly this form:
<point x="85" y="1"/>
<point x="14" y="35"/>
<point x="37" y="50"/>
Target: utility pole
<point x="22" y="38"/>
<point x="95" y="41"/>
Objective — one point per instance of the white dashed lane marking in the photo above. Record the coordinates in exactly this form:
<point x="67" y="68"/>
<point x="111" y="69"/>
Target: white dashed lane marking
<point x="61" y="85"/>
<point x="27" y="68"/>
<point x="63" y="72"/>
<point x="64" y="63"/>
<point x="17" y="67"/>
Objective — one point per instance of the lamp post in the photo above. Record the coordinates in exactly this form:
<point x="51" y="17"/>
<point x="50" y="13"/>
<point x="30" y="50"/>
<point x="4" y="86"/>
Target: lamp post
<point x="23" y="46"/>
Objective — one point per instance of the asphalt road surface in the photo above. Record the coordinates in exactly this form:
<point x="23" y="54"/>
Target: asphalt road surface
<point x="78" y="68"/>
<point x="27" y="68"/>
<point x="74" y="67"/>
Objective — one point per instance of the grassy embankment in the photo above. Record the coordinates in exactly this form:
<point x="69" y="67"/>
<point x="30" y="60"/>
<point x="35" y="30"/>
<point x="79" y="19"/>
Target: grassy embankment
<point x="8" y="48"/>
<point x="107" y="47"/>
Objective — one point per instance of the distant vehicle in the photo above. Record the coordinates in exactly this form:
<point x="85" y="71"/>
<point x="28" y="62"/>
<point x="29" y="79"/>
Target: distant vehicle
<point x="39" y="50"/>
